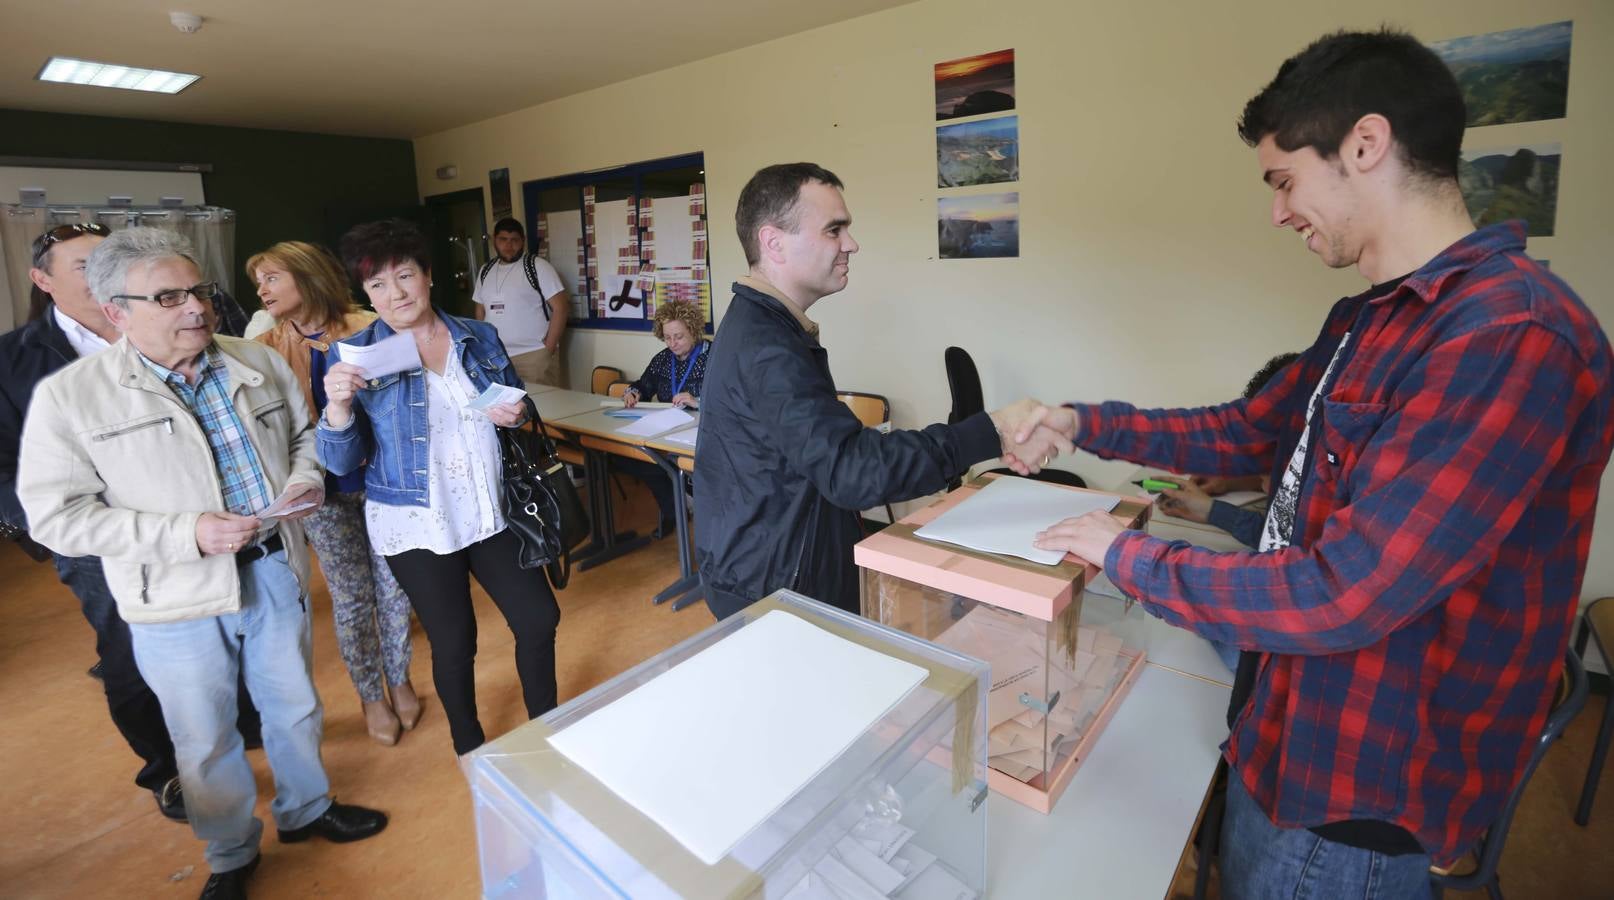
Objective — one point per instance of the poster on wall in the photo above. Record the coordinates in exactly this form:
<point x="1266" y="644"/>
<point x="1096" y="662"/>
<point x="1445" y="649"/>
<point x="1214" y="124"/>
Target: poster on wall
<point x="499" y="192"/>
<point x="983" y="226"/>
<point x="975" y="85"/>
<point x="1511" y="76"/>
<point x="982" y="152"/>
<point x="1517" y="182"/>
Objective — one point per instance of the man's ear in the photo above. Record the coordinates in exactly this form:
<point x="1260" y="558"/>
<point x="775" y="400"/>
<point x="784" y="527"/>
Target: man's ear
<point x="40" y="278"/>
<point x="1368" y="144"/>
<point x="771" y="243"/>
<point x="116" y="314"/>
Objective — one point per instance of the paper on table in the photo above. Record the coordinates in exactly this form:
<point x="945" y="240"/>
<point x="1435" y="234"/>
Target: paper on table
<point x="738" y="728"/>
<point x="686" y="437"/>
<point x="1006" y="515"/>
<point x="387" y="356"/>
<point x="656" y="423"/>
<point x="642" y="404"/>
<point x="494" y="395"/>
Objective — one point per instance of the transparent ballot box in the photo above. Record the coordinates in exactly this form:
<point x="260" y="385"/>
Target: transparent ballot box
<point x="1061" y="660"/>
<point x="899" y="813"/>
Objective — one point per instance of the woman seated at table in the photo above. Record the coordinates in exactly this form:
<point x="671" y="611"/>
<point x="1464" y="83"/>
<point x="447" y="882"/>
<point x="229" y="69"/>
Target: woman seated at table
<point x="432" y="484"/>
<point x="673" y="376"/>
<point x="306" y="292"/>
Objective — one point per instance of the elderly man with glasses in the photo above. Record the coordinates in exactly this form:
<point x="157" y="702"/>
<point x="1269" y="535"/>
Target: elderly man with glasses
<point x="167" y="456"/>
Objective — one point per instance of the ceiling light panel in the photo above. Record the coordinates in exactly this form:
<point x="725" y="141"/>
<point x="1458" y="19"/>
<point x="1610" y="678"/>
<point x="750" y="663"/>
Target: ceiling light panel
<point x="66" y="70"/>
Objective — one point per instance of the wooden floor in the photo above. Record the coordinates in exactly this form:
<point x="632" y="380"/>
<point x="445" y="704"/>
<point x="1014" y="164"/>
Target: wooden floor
<point x="76" y="826"/>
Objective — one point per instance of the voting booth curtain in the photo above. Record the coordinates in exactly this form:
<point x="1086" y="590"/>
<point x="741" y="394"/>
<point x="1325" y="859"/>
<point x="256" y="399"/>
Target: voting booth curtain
<point x="210" y="228"/>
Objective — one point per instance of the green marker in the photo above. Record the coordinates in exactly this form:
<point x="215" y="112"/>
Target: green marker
<point x="1155" y="485"/>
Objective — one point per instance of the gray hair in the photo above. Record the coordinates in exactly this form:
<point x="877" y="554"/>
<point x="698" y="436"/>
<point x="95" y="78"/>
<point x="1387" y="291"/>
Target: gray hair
<point x="108" y="267"/>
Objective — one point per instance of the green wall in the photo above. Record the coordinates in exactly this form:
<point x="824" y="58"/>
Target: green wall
<point x="284" y="185"/>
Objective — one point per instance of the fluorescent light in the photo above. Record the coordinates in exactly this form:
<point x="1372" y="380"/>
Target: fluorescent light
<point x="66" y="70"/>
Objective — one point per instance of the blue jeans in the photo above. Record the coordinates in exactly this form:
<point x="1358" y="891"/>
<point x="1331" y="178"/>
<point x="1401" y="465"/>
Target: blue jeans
<point x="1261" y="861"/>
<point x="193" y="666"/>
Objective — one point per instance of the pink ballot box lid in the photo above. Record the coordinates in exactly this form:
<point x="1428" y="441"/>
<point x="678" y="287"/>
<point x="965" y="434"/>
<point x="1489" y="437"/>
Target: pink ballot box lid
<point x="1003" y="581"/>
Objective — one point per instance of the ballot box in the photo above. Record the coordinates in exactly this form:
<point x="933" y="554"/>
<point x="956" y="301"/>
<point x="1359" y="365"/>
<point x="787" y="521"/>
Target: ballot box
<point x="1061" y="661"/>
<point x="616" y="794"/>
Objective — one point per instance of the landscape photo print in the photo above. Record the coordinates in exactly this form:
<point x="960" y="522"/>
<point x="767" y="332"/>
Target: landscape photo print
<point x="1520" y="75"/>
<point x="981" y="152"/>
<point x="975" y="85"/>
<point x="1517" y="182"/>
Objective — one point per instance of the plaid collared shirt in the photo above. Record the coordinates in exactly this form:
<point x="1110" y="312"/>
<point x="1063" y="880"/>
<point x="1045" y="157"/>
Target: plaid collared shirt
<point x="241" y="477"/>
<point x="1413" y="633"/>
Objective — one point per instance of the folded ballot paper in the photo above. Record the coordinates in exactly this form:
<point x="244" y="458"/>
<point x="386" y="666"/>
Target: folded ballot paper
<point x="1005" y="516"/>
<point x="388" y="356"/>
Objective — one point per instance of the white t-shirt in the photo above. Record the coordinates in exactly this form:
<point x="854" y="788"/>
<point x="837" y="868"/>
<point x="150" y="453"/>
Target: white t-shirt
<point x="514" y="308"/>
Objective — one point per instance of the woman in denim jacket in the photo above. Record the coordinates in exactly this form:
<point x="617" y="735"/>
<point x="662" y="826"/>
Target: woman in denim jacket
<point x="432" y="473"/>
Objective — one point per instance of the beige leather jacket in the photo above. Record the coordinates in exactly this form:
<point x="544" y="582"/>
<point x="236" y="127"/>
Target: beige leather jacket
<point x="114" y="465"/>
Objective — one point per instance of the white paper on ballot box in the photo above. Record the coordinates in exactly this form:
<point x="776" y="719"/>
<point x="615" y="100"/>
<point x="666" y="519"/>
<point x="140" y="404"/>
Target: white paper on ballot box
<point x="713" y="747"/>
<point x="1005" y="516"/>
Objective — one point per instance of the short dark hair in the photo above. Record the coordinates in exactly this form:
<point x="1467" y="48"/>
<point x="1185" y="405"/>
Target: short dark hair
<point x="769" y="198"/>
<point x="1265" y="373"/>
<point x="508" y="224"/>
<point x="368" y="248"/>
<point x="1321" y="92"/>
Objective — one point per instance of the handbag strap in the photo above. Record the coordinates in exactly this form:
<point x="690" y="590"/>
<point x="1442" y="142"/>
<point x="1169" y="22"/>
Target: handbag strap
<point x="545" y="443"/>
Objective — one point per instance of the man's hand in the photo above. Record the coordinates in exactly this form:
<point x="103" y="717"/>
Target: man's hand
<point x="218" y="533"/>
<point x="1089" y="537"/>
<point x="684" y="400"/>
<point x="1034" y="434"/>
<point x="342" y="383"/>
<point x="1217" y="485"/>
<point x="1191" y="503"/>
<point x="507" y="415"/>
<point x="314" y="494"/>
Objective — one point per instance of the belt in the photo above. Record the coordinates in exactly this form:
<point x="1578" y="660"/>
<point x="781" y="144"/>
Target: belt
<point x="256" y="552"/>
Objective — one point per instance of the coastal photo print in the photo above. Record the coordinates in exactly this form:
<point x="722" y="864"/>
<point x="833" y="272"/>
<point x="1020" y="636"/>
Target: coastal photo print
<point x="983" y="226"/>
<point x="982" y="152"/>
<point x="975" y="85"/>
<point x="1519" y="182"/>
<point x="1511" y="76"/>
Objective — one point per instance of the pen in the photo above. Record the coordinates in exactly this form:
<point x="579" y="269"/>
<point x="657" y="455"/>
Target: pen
<point x="1155" y="485"/>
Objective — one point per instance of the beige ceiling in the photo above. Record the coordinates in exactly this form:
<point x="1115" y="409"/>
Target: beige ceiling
<point x="387" y="68"/>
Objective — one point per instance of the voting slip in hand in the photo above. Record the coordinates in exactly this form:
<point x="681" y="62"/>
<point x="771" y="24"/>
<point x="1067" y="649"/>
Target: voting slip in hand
<point x="388" y="356"/>
<point x="495" y="395"/>
<point x="291" y="500"/>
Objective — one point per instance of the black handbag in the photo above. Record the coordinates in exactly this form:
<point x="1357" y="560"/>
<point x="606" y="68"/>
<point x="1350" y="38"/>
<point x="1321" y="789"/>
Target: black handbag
<point x="539" y="501"/>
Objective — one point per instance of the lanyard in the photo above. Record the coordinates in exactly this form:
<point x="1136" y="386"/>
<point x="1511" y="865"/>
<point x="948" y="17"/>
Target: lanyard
<point x="678" y="383"/>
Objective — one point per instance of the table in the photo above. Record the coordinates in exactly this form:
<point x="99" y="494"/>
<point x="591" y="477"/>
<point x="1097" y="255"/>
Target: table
<point x="605" y="542"/>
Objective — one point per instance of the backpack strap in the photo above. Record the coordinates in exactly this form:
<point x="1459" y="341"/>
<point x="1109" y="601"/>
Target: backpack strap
<point x="530" y="265"/>
<point x="486" y="268"/>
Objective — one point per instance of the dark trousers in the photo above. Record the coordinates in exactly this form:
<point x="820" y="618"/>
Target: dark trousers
<point x="134" y="708"/>
<point x="439" y="588"/>
<point x="654" y="477"/>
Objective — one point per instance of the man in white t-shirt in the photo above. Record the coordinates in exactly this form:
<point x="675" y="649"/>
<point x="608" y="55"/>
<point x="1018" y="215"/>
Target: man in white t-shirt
<point x="522" y="296"/>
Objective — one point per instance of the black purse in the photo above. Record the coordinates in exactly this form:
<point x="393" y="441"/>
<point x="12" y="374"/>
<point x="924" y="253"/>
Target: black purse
<point x="539" y="501"/>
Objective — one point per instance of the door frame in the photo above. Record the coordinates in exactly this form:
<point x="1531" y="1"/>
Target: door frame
<point x="445" y="291"/>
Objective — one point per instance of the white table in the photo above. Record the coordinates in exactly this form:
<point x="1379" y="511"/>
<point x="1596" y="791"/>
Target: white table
<point x="1122" y="825"/>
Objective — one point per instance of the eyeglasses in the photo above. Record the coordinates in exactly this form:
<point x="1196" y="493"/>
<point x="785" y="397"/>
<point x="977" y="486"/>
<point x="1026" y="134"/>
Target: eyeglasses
<point x="173" y="297"/>
<point x="54" y="236"/>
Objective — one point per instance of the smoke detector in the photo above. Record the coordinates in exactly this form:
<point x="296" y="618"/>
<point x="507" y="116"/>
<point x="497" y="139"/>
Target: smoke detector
<point x="188" y="23"/>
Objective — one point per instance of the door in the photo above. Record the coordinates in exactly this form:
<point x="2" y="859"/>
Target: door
<point x="457" y="228"/>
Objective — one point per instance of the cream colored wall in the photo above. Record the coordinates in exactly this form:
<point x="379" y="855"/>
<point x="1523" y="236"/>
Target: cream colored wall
<point x="1148" y="269"/>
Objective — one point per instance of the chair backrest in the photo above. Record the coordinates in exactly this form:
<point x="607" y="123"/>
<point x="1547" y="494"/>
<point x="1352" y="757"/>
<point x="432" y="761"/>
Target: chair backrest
<point x="603" y="377"/>
<point x="617" y="388"/>
<point x="1572" y="693"/>
<point x="964" y="383"/>
<point x="872" y="410"/>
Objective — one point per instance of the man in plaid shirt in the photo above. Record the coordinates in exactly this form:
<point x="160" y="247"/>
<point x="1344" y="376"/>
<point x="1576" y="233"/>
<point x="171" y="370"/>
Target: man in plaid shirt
<point x="1436" y="456"/>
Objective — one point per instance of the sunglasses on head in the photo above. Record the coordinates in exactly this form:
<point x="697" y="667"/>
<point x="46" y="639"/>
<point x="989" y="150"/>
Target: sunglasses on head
<point x="66" y="233"/>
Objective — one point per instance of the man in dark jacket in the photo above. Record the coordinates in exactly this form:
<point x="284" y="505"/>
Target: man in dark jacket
<point x="70" y="325"/>
<point x="783" y="466"/>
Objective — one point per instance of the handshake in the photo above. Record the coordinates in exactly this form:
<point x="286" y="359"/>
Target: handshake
<point x="1034" y="434"/>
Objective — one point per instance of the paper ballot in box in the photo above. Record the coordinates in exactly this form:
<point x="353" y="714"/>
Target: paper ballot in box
<point x="1061" y="660"/>
<point x="791" y="750"/>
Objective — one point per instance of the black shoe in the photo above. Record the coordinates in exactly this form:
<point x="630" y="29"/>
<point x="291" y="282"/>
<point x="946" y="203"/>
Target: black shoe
<point x="339" y="825"/>
<point x="253" y="741"/>
<point x="95" y="672"/>
<point x="231" y="885"/>
<point x="170" y="800"/>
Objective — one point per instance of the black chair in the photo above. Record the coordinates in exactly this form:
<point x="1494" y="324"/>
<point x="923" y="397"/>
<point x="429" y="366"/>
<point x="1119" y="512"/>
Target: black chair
<point x="964" y="383"/>
<point x="1571" y="699"/>
<point x="1597" y="623"/>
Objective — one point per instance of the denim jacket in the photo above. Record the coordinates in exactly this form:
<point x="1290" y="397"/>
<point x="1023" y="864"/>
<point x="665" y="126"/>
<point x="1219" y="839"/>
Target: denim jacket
<point x="388" y="426"/>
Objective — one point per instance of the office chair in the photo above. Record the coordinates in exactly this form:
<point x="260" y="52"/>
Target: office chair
<point x="1598" y="623"/>
<point x="604" y="376"/>
<point x="873" y="410"/>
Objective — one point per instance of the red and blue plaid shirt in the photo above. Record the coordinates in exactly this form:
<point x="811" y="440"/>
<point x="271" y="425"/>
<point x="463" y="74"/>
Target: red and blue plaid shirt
<point x="1412" y="634"/>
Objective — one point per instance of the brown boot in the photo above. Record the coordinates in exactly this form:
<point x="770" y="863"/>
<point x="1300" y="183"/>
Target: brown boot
<point x="381" y="721"/>
<point x="407" y="705"/>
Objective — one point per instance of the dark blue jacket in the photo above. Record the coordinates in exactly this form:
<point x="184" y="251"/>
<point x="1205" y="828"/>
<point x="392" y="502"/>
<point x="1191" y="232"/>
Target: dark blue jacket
<point x="783" y="468"/>
<point x="27" y="355"/>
